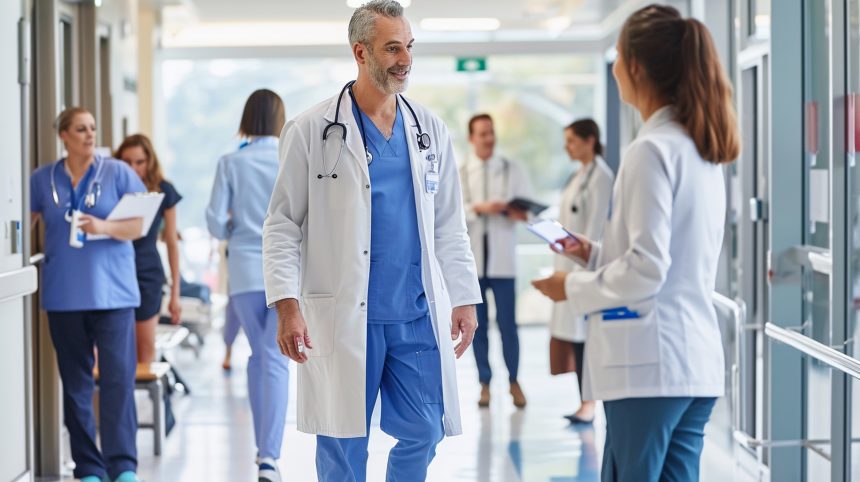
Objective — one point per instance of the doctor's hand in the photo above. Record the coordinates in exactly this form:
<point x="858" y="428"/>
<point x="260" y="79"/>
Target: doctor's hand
<point x="517" y="214"/>
<point x="292" y="330"/>
<point x="578" y="247"/>
<point x="464" y="323"/>
<point x="490" y="207"/>
<point x="552" y="287"/>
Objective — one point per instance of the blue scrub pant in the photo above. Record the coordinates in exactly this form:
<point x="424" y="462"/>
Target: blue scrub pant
<point x="268" y="371"/>
<point x="75" y="334"/>
<point x="655" y="439"/>
<point x="231" y="325"/>
<point x="504" y="293"/>
<point x="403" y="363"/>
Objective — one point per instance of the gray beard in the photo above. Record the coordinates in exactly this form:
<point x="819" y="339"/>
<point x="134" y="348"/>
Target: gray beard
<point x="382" y="80"/>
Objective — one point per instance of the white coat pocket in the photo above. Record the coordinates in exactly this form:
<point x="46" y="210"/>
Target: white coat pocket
<point x="627" y="342"/>
<point x="319" y="312"/>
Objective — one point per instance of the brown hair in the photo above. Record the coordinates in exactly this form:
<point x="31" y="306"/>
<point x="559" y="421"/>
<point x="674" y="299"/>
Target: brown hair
<point x="64" y="120"/>
<point x="476" y="118"/>
<point x="681" y="63"/>
<point x="586" y="128"/>
<point x="154" y="176"/>
<point x="263" y="114"/>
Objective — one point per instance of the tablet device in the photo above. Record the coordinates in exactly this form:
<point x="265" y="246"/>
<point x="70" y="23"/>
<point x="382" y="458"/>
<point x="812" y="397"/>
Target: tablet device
<point x="527" y="205"/>
<point x="549" y="230"/>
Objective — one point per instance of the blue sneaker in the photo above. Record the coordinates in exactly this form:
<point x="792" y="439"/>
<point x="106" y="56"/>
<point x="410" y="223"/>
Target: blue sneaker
<point x="92" y="478"/>
<point x="128" y="476"/>
<point x="268" y="470"/>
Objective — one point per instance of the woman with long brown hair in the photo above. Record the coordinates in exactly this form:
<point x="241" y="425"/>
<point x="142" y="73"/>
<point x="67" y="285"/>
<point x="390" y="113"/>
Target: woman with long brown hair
<point x="654" y="353"/>
<point x="137" y="152"/>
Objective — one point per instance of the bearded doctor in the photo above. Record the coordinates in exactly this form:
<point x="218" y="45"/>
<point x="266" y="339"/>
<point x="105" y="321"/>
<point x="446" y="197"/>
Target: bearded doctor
<point x="367" y="260"/>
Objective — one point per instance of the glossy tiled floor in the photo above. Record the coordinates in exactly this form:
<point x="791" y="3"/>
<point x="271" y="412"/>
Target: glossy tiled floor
<point x="213" y="440"/>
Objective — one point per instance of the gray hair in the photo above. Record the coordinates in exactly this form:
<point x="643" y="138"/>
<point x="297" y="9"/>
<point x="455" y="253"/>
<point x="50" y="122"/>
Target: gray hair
<point x="363" y="22"/>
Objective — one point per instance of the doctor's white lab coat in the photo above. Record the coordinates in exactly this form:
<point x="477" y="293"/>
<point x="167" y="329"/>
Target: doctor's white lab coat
<point x="496" y="179"/>
<point x="584" y="209"/>
<point x="316" y="248"/>
<point x="659" y="257"/>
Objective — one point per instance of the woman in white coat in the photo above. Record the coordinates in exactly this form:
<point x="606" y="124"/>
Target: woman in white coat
<point x="584" y="209"/>
<point x="653" y="352"/>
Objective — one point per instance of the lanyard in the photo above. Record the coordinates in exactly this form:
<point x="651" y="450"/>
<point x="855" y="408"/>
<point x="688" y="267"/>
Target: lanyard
<point x="76" y="200"/>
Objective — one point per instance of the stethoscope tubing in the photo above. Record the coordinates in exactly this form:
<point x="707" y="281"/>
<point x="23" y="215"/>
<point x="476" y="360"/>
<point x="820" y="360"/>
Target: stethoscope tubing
<point x="423" y="138"/>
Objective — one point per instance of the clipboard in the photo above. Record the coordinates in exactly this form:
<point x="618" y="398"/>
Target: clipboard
<point x="528" y="205"/>
<point x="134" y="205"/>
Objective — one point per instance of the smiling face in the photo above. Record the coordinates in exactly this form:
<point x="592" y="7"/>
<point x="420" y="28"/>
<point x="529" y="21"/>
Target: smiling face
<point x="136" y="157"/>
<point x="80" y="137"/>
<point x="578" y="148"/>
<point x="483" y="138"/>
<point x="388" y="57"/>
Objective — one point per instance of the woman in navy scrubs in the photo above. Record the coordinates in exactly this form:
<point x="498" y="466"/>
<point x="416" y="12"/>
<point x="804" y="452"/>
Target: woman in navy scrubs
<point x="90" y="293"/>
<point x="137" y="152"/>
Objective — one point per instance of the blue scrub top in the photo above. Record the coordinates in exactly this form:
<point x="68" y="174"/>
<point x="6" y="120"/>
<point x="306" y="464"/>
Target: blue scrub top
<point x="237" y="207"/>
<point x="395" y="290"/>
<point x="101" y="275"/>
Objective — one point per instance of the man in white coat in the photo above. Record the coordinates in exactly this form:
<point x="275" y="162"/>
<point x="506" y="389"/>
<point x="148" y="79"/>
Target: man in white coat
<point x="490" y="182"/>
<point x="367" y="260"/>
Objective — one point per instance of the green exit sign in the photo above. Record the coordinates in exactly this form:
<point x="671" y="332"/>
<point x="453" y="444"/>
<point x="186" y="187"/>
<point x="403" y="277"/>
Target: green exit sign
<point x="471" y="64"/>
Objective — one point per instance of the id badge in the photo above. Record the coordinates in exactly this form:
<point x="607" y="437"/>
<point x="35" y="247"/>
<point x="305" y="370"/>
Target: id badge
<point x="77" y="236"/>
<point x="431" y="182"/>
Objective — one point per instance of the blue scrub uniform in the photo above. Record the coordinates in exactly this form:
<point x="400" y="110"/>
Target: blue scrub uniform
<point x="251" y="171"/>
<point x="402" y="356"/>
<point x="90" y="294"/>
<point x="664" y="445"/>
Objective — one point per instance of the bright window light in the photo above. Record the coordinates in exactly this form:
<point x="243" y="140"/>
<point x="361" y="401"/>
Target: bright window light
<point x="358" y="3"/>
<point x="460" y="24"/>
<point x="248" y="34"/>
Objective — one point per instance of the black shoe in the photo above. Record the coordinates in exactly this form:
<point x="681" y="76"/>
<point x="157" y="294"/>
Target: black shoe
<point x="575" y="420"/>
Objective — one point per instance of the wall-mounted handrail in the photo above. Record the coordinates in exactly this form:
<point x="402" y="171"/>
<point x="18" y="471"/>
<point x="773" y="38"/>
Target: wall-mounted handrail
<point x="814" y="349"/>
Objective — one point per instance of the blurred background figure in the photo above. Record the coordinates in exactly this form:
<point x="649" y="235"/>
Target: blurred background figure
<point x="238" y="219"/>
<point x="584" y="209"/>
<point x="90" y="292"/>
<point x="490" y="181"/>
<point x="137" y="152"/>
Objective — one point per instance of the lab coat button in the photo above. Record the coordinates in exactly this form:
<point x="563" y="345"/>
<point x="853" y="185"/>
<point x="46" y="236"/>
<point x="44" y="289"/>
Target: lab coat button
<point x="367" y="186"/>
<point x="365" y="253"/>
<point x="363" y="303"/>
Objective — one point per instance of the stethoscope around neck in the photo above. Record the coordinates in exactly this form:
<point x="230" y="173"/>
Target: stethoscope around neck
<point x="422" y="138"/>
<point x="92" y="195"/>
<point x="583" y="187"/>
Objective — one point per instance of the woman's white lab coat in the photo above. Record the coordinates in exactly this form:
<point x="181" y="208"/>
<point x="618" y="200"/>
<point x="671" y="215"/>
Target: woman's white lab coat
<point x="316" y="248"/>
<point x="584" y="209"/>
<point x="659" y="258"/>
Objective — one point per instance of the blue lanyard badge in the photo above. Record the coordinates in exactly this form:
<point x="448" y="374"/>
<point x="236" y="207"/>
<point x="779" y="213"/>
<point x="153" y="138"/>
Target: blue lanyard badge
<point x="621" y="313"/>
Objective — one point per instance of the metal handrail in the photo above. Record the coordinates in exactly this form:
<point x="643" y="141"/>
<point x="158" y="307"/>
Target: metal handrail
<point x="738" y="310"/>
<point x="814" y="349"/>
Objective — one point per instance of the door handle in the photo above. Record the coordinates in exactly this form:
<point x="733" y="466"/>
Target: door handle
<point x="757" y="210"/>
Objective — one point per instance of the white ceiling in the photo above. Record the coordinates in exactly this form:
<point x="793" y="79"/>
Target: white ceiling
<point x="513" y="14"/>
<point x="261" y="23"/>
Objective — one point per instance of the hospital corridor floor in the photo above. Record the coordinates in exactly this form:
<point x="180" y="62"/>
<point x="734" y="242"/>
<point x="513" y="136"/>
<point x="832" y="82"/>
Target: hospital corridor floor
<point x="213" y="438"/>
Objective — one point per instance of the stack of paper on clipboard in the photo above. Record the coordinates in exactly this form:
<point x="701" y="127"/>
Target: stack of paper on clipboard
<point x="136" y="205"/>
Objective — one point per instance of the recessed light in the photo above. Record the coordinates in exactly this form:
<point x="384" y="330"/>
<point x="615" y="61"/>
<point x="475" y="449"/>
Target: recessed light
<point x="478" y="24"/>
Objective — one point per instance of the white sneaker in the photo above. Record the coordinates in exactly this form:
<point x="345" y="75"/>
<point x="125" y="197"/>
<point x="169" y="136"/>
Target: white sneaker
<point x="268" y="470"/>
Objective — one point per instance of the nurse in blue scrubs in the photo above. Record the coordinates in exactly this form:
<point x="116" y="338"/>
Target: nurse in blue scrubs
<point x="90" y="293"/>
<point x="240" y="196"/>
